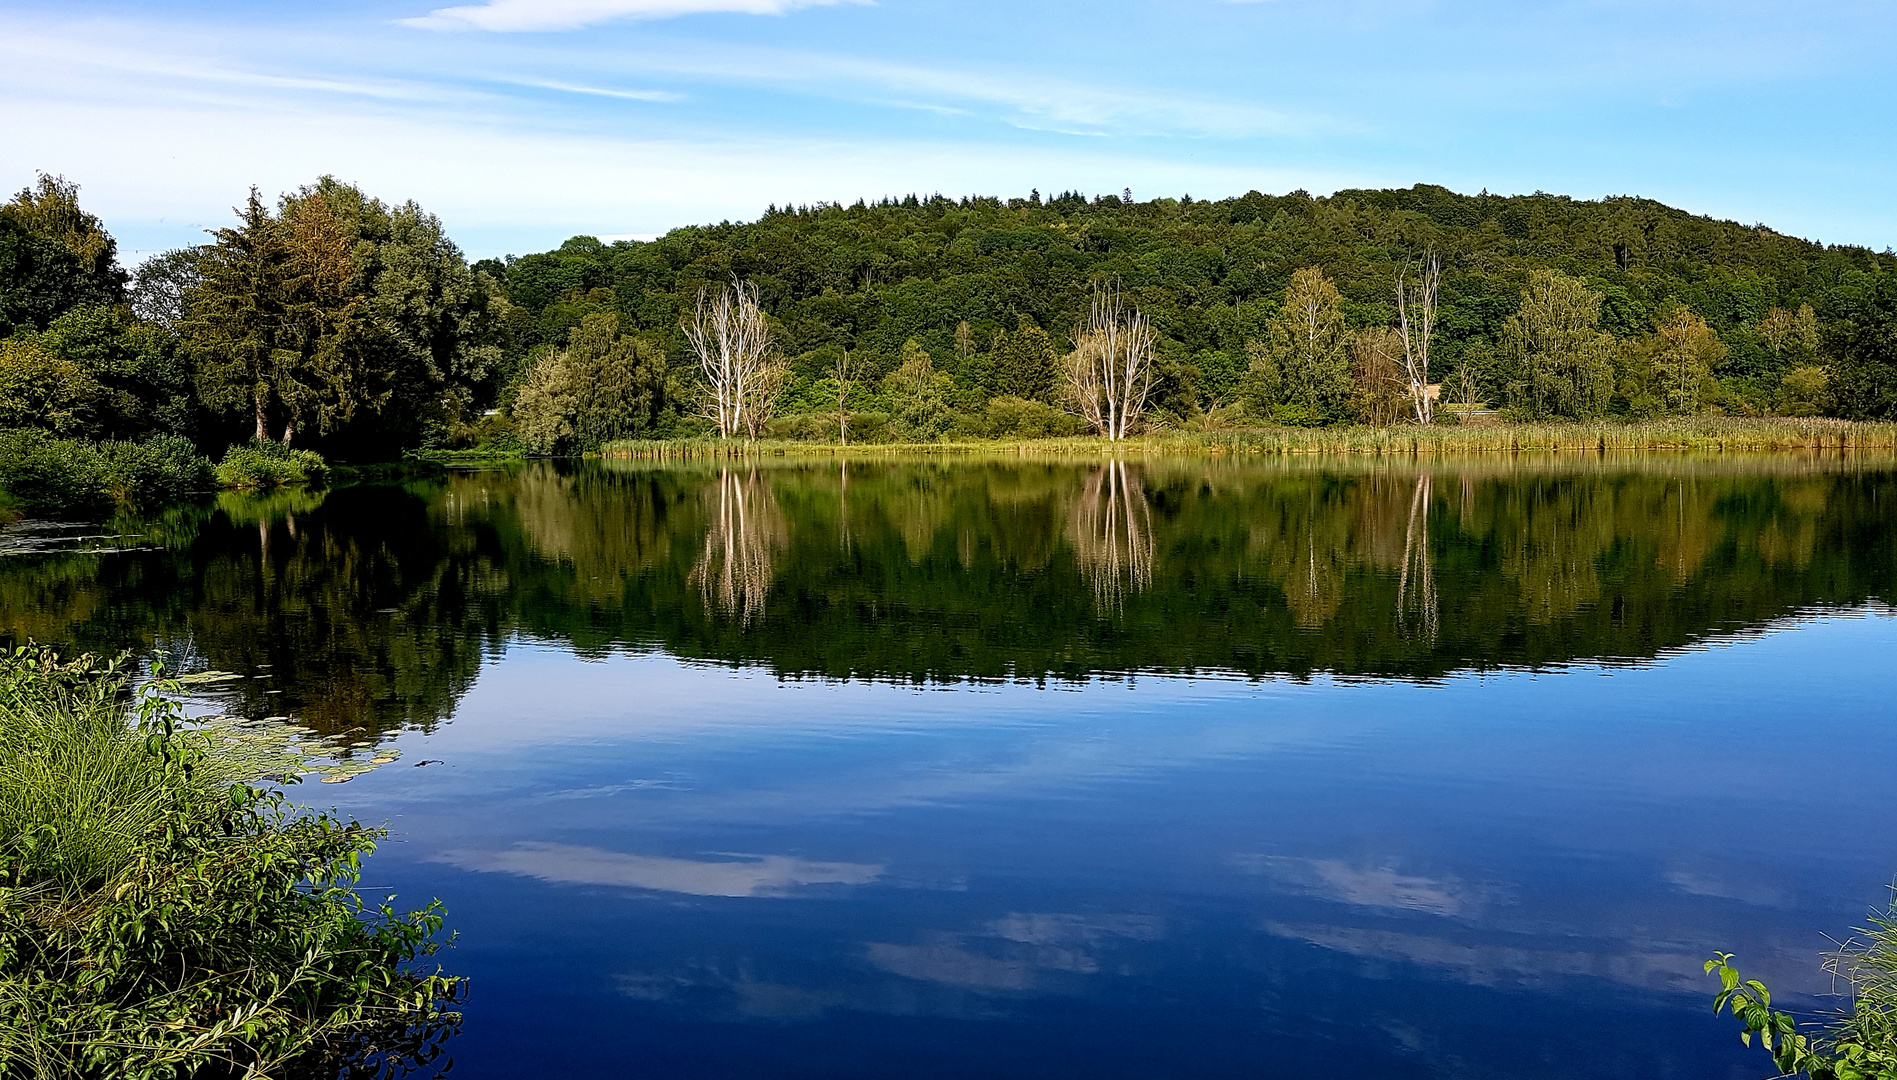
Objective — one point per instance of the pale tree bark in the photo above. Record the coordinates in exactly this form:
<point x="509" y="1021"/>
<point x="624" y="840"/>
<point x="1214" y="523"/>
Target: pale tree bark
<point x="729" y="336"/>
<point x="1416" y="588"/>
<point x="1416" y="320"/>
<point x="1112" y="530"/>
<point x="1110" y="372"/>
<point x="843" y="397"/>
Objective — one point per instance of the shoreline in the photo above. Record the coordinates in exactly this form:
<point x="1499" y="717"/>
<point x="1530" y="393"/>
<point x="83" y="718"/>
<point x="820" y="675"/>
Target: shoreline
<point x="1701" y="434"/>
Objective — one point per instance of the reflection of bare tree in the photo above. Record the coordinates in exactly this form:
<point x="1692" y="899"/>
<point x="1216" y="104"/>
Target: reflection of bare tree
<point x="741" y="546"/>
<point x="1112" y="527"/>
<point x="1416" y="588"/>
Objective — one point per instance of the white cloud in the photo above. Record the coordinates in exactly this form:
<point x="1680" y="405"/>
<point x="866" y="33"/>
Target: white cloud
<point x="530" y="15"/>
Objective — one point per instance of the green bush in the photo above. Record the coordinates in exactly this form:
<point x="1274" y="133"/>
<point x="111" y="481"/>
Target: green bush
<point x="269" y="464"/>
<point x="1013" y="417"/>
<point x="39" y="472"/>
<point x="162" y="469"/>
<point x="159" y="919"/>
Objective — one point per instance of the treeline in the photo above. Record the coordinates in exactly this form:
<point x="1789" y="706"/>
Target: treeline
<point x="1549" y="308"/>
<point x="331" y="320"/>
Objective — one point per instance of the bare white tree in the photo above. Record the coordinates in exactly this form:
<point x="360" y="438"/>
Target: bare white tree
<point x="1416" y="321"/>
<point x="1110" y="371"/>
<point x="743" y="373"/>
<point x="842" y="374"/>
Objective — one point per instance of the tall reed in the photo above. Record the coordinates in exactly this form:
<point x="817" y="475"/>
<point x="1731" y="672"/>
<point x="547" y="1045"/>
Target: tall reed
<point x="1683" y="433"/>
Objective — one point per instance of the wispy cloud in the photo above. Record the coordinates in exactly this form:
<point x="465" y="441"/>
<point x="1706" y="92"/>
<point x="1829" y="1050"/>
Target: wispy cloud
<point x="515" y="16"/>
<point x="602" y="91"/>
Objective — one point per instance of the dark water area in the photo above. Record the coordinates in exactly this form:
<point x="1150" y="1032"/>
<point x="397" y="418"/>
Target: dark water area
<point x="1003" y="769"/>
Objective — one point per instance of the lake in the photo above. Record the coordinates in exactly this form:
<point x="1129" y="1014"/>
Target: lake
<point x="1013" y="768"/>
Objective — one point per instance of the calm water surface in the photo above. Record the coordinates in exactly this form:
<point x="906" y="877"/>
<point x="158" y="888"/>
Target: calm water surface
<point x="999" y="770"/>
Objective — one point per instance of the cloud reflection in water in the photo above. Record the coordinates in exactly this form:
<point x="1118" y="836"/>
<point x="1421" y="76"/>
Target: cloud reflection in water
<point x="735" y="875"/>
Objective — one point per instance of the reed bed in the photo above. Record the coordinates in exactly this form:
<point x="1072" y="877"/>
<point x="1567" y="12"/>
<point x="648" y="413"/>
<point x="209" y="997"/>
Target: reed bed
<point x="1697" y="433"/>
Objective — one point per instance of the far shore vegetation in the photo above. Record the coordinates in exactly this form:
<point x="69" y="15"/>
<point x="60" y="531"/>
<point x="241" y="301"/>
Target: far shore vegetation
<point x="329" y="326"/>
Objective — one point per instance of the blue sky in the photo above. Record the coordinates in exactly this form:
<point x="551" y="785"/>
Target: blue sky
<point x="522" y="122"/>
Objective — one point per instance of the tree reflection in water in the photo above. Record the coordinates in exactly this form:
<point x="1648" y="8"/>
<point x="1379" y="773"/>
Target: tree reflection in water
<point x="1112" y="531"/>
<point x="1416" y="588"/>
<point x="374" y="606"/>
<point x="742" y="542"/>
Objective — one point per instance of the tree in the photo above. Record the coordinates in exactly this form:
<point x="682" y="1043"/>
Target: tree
<point x="742" y="371"/>
<point x="436" y="320"/>
<point x="602" y="386"/>
<point x="841" y="374"/>
<point x="1301" y="372"/>
<point x="1416" y="304"/>
<point x="162" y="287"/>
<point x="53" y="256"/>
<point x="1864" y="346"/>
<point x="41" y="389"/>
<point x="1560" y="365"/>
<point x="1110" y="373"/>
<point x="543" y="406"/>
<point x="144" y="380"/>
<point x="1683" y="352"/>
<point x="1791" y="335"/>
<point x="1021" y="363"/>
<point x="1380" y="388"/>
<point x="235" y="315"/>
<point x="920" y="398"/>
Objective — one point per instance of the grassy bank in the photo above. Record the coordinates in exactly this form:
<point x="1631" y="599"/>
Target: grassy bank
<point x="1702" y="433"/>
<point x="161" y="917"/>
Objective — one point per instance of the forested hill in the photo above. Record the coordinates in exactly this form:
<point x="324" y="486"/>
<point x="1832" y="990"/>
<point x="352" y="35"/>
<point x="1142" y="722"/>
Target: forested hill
<point x="872" y="277"/>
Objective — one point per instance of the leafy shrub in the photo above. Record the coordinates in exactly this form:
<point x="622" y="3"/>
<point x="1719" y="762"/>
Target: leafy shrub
<point x="268" y="464"/>
<point x="158" y="919"/>
<point x="1860" y="1044"/>
<point x="1016" y="417"/>
<point x="40" y="472"/>
<point x="163" y="468"/>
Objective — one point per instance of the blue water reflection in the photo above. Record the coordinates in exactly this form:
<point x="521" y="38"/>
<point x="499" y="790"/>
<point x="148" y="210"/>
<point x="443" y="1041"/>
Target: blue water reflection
<point x="665" y="869"/>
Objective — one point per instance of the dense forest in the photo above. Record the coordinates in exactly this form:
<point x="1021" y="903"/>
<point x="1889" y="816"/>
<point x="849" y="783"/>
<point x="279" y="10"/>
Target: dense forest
<point x="335" y="321"/>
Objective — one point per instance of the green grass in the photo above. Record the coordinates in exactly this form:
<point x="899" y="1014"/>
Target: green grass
<point x="1694" y="433"/>
<point x="159" y="919"/>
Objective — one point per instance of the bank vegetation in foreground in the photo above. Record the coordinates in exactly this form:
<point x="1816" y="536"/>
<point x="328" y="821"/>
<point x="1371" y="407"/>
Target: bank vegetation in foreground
<point x="161" y="917"/>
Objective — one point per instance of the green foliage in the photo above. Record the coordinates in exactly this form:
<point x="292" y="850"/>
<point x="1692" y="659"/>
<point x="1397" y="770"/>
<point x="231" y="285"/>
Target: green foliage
<point x="921" y="399"/>
<point x="54" y="475"/>
<point x="1864" y="376"/>
<point x="1857" y="1044"/>
<point x="53" y="256"/>
<point x="267" y="464"/>
<point x="159" y="920"/>
<point x="873" y="276"/>
<point x="1559" y="364"/>
<point x="1013" y="417"/>
<point x="340" y="314"/>
<point x="603" y="386"/>
<point x="1301" y="375"/>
